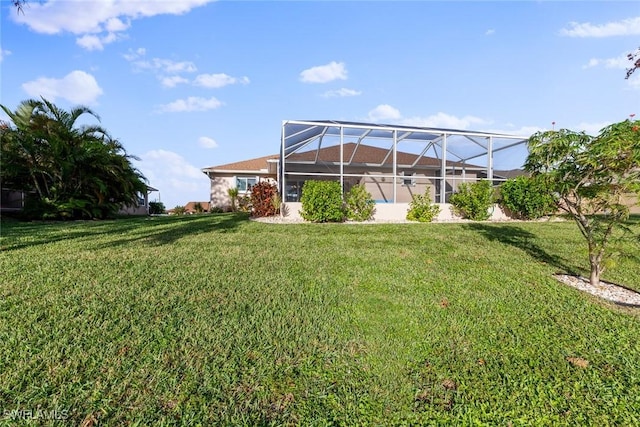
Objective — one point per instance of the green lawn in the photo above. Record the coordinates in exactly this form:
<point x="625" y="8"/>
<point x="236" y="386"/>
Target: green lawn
<point x="217" y="320"/>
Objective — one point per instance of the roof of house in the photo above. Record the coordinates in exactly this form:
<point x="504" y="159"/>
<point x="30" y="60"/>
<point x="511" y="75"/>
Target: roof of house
<point x="257" y="164"/>
<point x="363" y="154"/>
<point x="191" y="206"/>
<point x="368" y="154"/>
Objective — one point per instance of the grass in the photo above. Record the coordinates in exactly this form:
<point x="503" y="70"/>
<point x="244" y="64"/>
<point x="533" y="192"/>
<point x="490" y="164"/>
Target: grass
<point x="215" y="319"/>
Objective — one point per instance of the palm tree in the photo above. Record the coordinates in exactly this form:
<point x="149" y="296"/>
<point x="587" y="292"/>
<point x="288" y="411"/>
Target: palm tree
<point x="75" y="171"/>
<point x="233" y="194"/>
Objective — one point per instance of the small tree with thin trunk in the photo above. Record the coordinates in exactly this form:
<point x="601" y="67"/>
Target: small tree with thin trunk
<point x="593" y="178"/>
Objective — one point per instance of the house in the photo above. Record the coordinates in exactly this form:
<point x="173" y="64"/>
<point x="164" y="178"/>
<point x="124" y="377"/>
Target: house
<point x="192" y="207"/>
<point x="142" y="205"/>
<point x="241" y="175"/>
<point x="392" y="162"/>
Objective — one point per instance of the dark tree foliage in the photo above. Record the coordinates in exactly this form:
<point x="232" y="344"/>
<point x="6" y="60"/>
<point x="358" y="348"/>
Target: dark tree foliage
<point x="72" y="171"/>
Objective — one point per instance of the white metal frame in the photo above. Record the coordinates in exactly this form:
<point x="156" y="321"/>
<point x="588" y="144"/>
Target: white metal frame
<point x="297" y="135"/>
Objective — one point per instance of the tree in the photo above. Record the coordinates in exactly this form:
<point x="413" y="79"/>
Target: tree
<point x="635" y="62"/>
<point x="156" y="208"/>
<point x="179" y="210"/>
<point x="233" y="195"/>
<point x="592" y="177"/>
<point x="74" y="171"/>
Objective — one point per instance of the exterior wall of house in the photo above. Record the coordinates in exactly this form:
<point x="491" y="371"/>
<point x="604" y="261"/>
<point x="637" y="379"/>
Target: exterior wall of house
<point x="141" y="208"/>
<point x="381" y="188"/>
<point x="221" y="183"/>
<point x="398" y="212"/>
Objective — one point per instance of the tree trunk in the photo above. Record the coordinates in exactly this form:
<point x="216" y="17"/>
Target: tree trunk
<point x="596" y="270"/>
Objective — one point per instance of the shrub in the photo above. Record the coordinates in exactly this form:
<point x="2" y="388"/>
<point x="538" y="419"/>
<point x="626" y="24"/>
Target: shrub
<point x="244" y="204"/>
<point x="359" y="204"/>
<point x="421" y="208"/>
<point x="156" y="208"/>
<point x="322" y="201"/>
<point x="276" y="201"/>
<point x="233" y="195"/>
<point x="262" y="196"/>
<point x="179" y="210"/>
<point x="473" y="200"/>
<point x="527" y="197"/>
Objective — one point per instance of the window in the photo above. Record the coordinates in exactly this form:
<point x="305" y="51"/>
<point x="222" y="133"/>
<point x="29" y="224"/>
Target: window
<point x="244" y="183"/>
<point x="409" y="179"/>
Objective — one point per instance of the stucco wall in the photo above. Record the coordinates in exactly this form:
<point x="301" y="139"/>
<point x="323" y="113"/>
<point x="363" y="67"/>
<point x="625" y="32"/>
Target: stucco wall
<point x="220" y="185"/>
<point x="398" y="212"/>
<point x="219" y="196"/>
<point x="381" y="188"/>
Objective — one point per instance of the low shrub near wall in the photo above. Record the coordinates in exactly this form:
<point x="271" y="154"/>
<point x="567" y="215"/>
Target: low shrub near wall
<point x="322" y="201"/>
<point x="421" y="208"/>
<point x="527" y="197"/>
<point x="473" y="200"/>
<point x="359" y="203"/>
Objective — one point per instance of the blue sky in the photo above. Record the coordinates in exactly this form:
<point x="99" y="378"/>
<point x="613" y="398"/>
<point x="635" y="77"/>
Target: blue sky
<point x="195" y="83"/>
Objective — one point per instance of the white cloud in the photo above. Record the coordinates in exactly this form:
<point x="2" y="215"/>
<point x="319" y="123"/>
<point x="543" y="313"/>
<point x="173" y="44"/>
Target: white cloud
<point x="206" y="142"/>
<point x="625" y="27"/>
<point x="439" y="120"/>
<point x="96" y="17"/>
<point x="324" y="73"/>
<point x="192" y="103"/>
<point x="133" y="55"/>
<point x="341" y="93"/>
<point x="4" y="53"/>
<point x="90" y="42"/>
<point x="178" y="180"/>
<point x="115" y="24"/>
<point x="77" y="87"/>
<point x="169" y="72"/>
<point x="490" y="32"/>
<point x="172" y="81"/>
<point x="384" y="112"/>
<point x="620" y="62"/>
<point x="218" y="80"/>
<point x="166" y="66"/>
<point x="443" y="120"/>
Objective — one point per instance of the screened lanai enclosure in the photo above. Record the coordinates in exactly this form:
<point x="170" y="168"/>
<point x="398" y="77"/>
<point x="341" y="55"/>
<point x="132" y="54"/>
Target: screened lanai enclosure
<point x="394" y="162"/>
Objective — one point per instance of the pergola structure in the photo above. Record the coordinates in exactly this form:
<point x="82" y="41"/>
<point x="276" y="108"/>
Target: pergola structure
<point x="396" y="155"/>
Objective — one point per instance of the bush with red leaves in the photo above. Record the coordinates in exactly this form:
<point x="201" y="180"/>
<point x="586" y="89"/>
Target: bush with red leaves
<point x="264" y="197"/>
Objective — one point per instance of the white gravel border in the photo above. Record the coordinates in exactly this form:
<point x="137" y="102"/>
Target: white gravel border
<point x="608" y="291"/>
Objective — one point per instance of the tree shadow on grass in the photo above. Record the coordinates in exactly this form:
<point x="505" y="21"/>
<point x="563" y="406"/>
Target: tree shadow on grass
<point x="154" y="230"/>
<point x="523" y="240"/>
